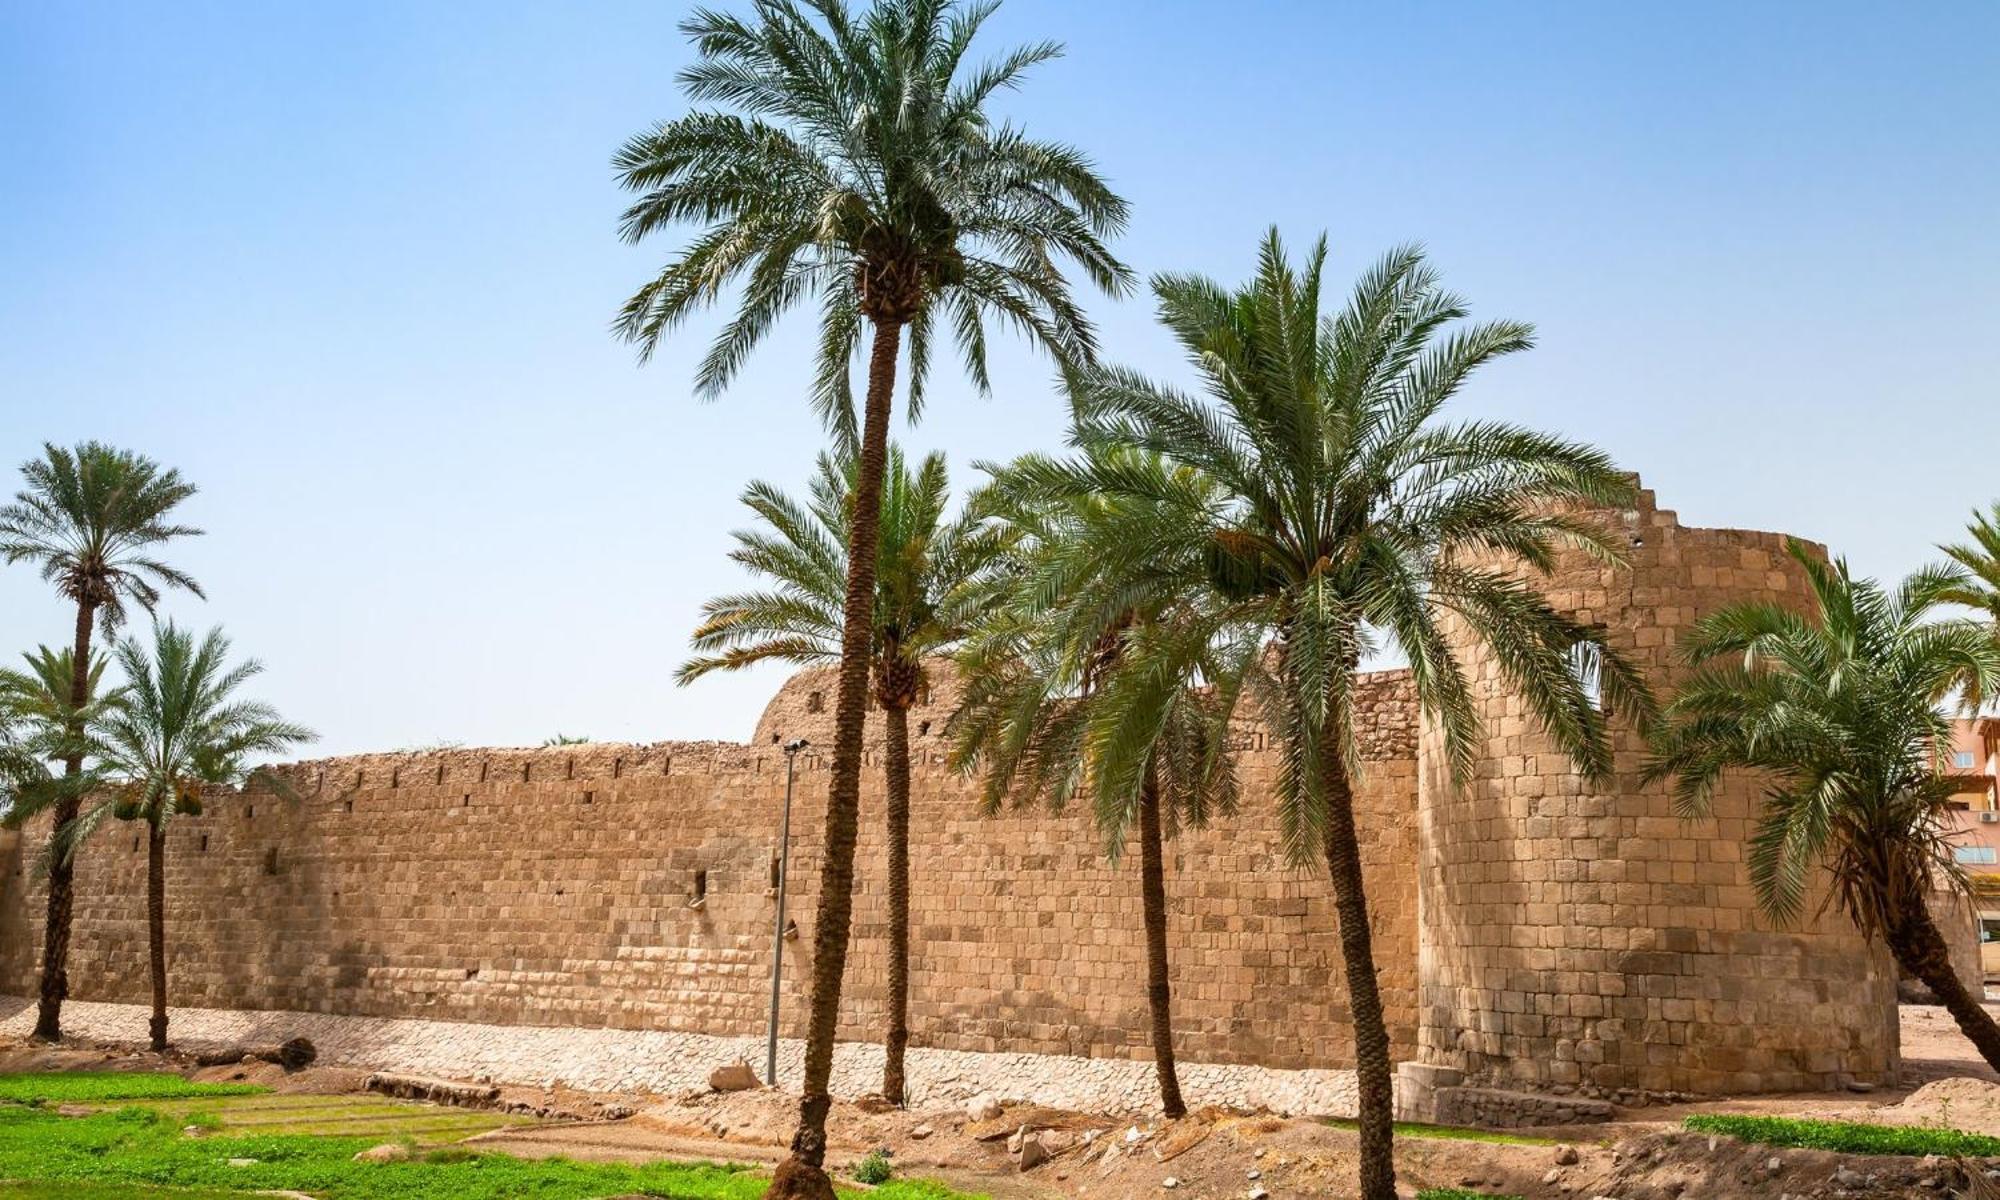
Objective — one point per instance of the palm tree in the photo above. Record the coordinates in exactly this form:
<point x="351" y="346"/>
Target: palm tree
<point x="1980" y="560"/>
<point x="177" y="731"/>
<point x="91" y="519"/>
<point x="1047" y="682"/>
<point x="1346" y="518"/>
<point x="925" y="597"/>
<point x="1841" y="711"/>
<point x="39" y="727"/>
<point x="860" y="169"/>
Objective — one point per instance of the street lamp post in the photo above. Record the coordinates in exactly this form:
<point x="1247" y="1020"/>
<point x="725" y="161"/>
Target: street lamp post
<point x="792" y="749"/>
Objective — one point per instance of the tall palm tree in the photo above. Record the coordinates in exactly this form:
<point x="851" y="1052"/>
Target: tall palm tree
<point x="1047" y="684"/>
<point x="178" y="730"/>
<point x="1346" y="518"/>
<point x="1979" y="558"/>
<point x="861" y="169"/>
<point x="1841" y="711"/>
<point x="92" y="519"/>
<point x="926" y="594"/>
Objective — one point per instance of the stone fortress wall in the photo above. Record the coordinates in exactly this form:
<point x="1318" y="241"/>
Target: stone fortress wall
<point x="554" y="887"/>
<point x="1573" y="933"/>
<point x="1530" y="929"/>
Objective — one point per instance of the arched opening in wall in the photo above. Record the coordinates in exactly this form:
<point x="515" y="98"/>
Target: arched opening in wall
<point x="1586" y="665"/>
<point x="923" y="727"/>
<point x="815" y="702"/>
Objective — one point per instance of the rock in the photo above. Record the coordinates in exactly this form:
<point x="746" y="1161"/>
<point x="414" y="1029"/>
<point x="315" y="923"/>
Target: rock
<point x="292" y="1054"/>
<point x="1170" y="1183"/>
<point x="1552" y="1174"/>
<point x="736" y="1077"/>
<point x="242" y="1162"/>
<point x="1033" y="1153"/>
<point x="983" y="1107"/>
<point x="193" y="1130"/>
<point x="920" y="1133"/>
<point x="387" y="1152"/>
<point x="297" y="1053"/>
<point x="1133" y="1135"/>
<point x="1019" y="1138"/>
<point x="1566" y="1156"/>
<point x="438" y="1091"/>
<point x="1254" y="1175"/>
<point x="1257" y="1193"/>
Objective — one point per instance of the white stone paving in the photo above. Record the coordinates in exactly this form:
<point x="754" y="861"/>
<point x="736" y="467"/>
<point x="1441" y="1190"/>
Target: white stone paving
<point x="627" y="1060"/>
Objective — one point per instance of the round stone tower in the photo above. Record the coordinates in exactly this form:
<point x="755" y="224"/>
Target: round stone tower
<point x="1582" y="937"/>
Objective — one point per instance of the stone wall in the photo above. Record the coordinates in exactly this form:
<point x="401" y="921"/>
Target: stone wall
<point x="554" y="887"/>
<point x="1582" y="936"/>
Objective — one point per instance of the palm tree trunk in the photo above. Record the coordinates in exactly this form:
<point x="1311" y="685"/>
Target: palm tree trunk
<point x="897" y="722"/>
<point x="62" y="867"/>
<point x="1375" y="1090"/>
<point x="1159" y="992"/>
<point x="1921" y="950"/>
<point x="802" y="1176"/>
<point x="156" y="927"/>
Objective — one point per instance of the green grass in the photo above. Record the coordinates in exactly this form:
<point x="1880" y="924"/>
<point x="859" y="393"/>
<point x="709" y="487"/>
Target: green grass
<point x="364" y="1116"/>
<point x="87" y="1087"/>
<point x="122" y="1191"/>
<point x="130" y="1150"/>
<point x="1847" y="1137"/>
<point x="1452" y="1133"/>
<point x="1459" y="1194"/>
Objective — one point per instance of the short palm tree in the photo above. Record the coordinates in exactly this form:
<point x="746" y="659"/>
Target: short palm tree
<point x="39" y="727"/>
<point x="860" y="169"/>
<point x="1839" y="712"/>
<point x="92" y="519"/>
<point x="1979" y="558"/>
<point x="926" y="594"/>
<point x="177" y="731"/>
<point x="1341" y="514"/>
<point x="1048" y="682"/>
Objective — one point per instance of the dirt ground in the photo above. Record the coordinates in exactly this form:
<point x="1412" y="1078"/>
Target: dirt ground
<point x="1217" y="1154"/>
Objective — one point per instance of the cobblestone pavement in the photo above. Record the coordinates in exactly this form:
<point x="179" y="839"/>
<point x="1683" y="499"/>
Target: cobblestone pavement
<point x="625" y="1060"/>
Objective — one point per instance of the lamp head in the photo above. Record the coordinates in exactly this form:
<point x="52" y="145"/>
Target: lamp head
<point x="796" y="745"/>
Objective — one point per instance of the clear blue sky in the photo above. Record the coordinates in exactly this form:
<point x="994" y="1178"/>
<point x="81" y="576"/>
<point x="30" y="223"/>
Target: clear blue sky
<point x="350" y="267"/>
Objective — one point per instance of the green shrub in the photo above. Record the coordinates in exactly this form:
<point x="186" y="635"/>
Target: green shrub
<point x="874" y="1169"/>
<point x="88" y="1087"/>
<point x="206" y="1121"/>
<point x="1847" y="1137"/>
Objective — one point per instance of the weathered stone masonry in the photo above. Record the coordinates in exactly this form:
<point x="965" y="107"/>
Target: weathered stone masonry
<point x="1531" y="929"/>
<point x="554" y="886"/>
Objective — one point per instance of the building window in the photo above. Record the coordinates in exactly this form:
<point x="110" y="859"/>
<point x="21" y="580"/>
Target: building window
<point x="1586" y="663"/>
<point x="815" y="702"/>
<point x="1976" y="856"/>
<point x="1962" y="760"/>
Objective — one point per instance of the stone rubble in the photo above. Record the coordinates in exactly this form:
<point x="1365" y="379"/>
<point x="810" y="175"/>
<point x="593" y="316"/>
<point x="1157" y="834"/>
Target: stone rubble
<point x="664" y="1063"/>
